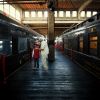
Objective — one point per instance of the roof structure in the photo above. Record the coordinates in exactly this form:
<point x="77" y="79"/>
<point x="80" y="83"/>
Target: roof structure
<point x="61" y="24"/>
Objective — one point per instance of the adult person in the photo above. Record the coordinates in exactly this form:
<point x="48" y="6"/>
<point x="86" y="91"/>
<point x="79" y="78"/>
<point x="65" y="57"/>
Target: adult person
<point x="44" y="53"/>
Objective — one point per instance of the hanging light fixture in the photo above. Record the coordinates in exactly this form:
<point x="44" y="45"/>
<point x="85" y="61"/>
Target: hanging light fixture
<point x="51" y="5"/>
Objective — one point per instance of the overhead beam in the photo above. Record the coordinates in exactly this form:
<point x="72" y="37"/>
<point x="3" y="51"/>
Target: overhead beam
<point x="45" y="22"/>
<point x="47" y="27"/>
<point x="84" y="5"/>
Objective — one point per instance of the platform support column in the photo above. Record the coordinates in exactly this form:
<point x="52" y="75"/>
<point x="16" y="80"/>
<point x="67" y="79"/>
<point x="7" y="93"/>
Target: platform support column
<point x="51" y="35"/>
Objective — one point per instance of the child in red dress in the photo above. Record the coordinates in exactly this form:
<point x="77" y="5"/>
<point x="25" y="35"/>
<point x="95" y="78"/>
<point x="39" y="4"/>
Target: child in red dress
<point x="36" y="55"/>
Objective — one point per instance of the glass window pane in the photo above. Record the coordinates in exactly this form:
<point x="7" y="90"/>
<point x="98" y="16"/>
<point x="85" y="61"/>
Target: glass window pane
<point x="22" y="44"/>
<point x="55" y="14"/>
<point x="93" y="44"/>
<point x="5" y="47"/>
<point x="18" y="17"/>
<point x="39" y="13"/>
<point x="61" y="14"/>
<point x="33" y="14"/>
<point x="68" y="14"/>
<point x="6" y="8"/>
<point x="88" y="14"/>
<point x="1" y="7"/>
<point x="1" y="42"/>
<point x="1" y="47"/>
<point x="82" y="14"/>
<point x="45" y="14"/>
<point x="81" y="43"/>
<point x="74" y="13"/>
<point x="94" y="12"/>
<point x="26" y="13"/>
<point x="12" y="11"/>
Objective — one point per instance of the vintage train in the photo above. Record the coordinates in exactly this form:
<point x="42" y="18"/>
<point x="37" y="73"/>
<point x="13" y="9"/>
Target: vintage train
<point x="15" y="46"/>
<point x="82" y="44"/>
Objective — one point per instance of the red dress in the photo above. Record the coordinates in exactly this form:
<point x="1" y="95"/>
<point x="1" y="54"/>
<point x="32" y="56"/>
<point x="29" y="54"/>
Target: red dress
<point x="36" y="53"/>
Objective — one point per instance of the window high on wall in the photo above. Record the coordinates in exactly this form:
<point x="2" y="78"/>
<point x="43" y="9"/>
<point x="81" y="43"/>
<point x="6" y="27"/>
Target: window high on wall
<point x="94" y="12"/>
<point x="26" y="13"/>
<point x="18" y="17"/>
<point x="6" y="8"/>
<point x="33" y="13"/>
<point x="68" y="14"/>
<point x="12" y="11"/>
<point x="88" y="13"/>
<point x="55" y="14"/>
<point x="74" y="13"/>
<point x="45" y="14"/>
<point x="82" y="14"/>
<point x="39" y="13"/>
<point x="1" y="6"/>
<point x="58" y="14"/>
<point x="61" y="13"/>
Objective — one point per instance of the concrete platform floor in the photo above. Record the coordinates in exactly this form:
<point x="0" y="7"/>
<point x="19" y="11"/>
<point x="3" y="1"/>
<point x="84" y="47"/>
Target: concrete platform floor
<point x="62" y="80"/>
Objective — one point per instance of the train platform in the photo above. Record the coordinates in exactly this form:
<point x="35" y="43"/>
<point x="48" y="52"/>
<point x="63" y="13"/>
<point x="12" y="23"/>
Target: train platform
<point x="62" y="80"/>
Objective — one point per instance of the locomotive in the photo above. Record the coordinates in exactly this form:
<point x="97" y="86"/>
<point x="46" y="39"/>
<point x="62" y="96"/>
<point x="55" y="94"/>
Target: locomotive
<point x="15" y="46"/>
<point x="82" y="44"/>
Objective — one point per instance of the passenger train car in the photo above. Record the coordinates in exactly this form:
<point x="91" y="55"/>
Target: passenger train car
<point x="82" y="44"/>
<point x="15" y="46"/>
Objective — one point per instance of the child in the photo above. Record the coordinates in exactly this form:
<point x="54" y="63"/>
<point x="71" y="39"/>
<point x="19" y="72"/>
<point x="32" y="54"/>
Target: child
<point x="36" y="55"/>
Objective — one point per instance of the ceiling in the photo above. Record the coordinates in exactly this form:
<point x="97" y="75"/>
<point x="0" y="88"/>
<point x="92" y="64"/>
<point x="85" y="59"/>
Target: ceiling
<point x="59" y="4"/>
<point x="78" y="5"/>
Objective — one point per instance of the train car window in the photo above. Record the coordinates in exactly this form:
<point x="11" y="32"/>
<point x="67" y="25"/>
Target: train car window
<point x="22" y="44"/>
<point x="98" y="16"/>
<point x="65" y="43"/>
<point x="70" y="43"/>
<point x="93" y="29"/>
<point x="5" y="46"/>
<point x="93" y="44"/>
<point x="10" y="44"/>
<point x="1" y="47"/>
<point x="81" y="43"/>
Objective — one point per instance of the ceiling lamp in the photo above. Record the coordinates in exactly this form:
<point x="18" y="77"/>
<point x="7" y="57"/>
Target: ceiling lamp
<point x="51" y="5"/>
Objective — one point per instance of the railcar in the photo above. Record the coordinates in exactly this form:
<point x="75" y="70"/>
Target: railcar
<point x="82" y="44"/>
<point x="15" y="46"/>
